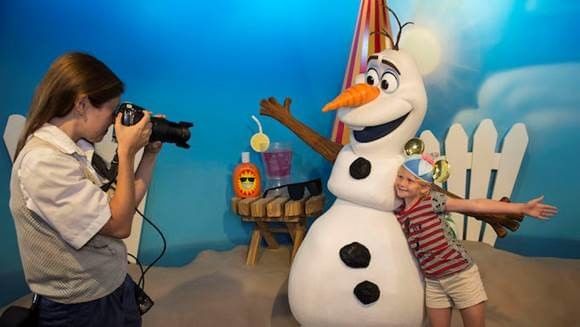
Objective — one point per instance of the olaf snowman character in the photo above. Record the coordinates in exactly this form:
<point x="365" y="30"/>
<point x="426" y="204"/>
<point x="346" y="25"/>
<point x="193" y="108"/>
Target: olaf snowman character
<point x="354" y="267"/>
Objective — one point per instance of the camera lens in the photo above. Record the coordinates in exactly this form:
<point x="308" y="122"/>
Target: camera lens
<point x="162" y="129"/>
<point x="166" y="131"/>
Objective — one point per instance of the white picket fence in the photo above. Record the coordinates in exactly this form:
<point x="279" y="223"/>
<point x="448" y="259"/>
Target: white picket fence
<point x="105" y="148"/>
<point x="489" y="172"/>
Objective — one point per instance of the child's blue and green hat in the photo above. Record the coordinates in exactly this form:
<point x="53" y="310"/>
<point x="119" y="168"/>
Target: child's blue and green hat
<point x="421" y="166"/>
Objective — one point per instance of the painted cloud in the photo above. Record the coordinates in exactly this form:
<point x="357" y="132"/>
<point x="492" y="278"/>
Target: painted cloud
<point x="538" y="96"/>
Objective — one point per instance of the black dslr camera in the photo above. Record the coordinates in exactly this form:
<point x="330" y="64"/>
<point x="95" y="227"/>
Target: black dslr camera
<point x="163" y="130"/>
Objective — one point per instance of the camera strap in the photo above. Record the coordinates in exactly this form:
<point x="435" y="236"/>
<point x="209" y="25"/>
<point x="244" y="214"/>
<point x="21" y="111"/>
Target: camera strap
<point x="110" y="173"/>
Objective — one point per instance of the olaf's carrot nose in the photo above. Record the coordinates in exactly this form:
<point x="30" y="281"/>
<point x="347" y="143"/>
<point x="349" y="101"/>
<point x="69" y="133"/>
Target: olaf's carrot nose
<point x="354" y="96"/>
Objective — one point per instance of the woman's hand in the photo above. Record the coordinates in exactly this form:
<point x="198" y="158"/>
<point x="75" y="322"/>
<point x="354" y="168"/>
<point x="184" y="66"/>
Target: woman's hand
<point x="537" y="209"/>
<point x="132" y="138"/>
<point x="153" y="147"/>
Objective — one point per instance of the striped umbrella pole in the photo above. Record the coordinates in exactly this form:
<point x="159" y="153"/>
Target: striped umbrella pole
<point x="372" y="17"/>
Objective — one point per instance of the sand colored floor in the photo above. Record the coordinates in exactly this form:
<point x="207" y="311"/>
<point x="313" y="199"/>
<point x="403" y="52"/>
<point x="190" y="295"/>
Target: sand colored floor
<point x="217" y="289"/>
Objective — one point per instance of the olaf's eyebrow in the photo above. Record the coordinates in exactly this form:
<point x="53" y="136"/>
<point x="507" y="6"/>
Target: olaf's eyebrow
<point x="388" y="63"/>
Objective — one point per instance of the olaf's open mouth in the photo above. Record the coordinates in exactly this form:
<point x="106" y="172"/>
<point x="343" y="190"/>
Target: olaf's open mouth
<point x="372" y="133"/>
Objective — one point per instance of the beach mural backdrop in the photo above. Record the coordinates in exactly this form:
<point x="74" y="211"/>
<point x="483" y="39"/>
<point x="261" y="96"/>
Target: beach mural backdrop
<point x="211" y="63"/>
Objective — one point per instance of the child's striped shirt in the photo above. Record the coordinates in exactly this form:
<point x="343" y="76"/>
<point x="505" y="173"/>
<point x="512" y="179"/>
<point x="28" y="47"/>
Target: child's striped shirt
<point x="431" y="239"/>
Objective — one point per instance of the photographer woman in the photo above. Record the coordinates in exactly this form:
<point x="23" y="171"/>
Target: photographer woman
<point x="69" y="231"/>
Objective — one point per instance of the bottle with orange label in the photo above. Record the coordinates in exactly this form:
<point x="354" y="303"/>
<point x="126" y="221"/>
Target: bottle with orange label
<point x="246" y="178"/>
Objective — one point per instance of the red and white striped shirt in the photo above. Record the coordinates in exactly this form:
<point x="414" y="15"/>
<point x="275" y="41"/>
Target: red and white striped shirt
<point x="431" y="239"/>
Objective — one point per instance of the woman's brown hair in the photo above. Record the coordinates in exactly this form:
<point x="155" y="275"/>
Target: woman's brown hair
<point x="69" y="76"/>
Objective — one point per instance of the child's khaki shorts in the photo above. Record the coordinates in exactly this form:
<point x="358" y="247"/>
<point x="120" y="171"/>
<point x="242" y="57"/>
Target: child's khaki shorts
<point x="463" y="289"/>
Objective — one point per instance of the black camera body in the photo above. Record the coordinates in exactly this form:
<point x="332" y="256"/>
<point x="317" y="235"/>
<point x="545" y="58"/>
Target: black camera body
<point x="162" y="130"/>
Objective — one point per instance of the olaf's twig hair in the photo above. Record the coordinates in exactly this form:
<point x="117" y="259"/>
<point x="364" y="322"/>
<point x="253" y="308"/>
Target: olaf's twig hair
<point x="394" y="44"/>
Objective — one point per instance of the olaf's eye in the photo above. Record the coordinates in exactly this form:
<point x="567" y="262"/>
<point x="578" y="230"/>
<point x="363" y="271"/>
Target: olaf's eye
<point x="389" y="82"/>
<point x="372" y="77"/>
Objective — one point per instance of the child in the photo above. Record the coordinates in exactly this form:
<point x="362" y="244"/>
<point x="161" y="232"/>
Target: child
<point x="451" y="276"/>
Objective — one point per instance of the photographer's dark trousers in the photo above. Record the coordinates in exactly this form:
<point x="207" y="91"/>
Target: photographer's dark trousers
<point x="115" y="310"/>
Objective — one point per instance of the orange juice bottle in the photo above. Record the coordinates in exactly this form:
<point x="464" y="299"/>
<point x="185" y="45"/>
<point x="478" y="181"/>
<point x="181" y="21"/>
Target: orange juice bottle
<point x="246" y="178"/>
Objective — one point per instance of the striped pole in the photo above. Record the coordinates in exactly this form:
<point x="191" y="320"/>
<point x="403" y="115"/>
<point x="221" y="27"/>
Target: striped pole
<point x="372" y="17"/>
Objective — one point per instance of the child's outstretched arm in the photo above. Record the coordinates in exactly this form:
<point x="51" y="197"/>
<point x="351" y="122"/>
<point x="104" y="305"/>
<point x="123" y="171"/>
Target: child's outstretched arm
<point x="534" y="208"/>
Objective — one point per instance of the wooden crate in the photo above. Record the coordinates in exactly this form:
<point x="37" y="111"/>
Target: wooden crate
<point x="277" y="208"/>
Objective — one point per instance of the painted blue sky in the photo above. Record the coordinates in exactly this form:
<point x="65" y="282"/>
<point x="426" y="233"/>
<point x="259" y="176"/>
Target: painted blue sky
<point x="481" y="39"/>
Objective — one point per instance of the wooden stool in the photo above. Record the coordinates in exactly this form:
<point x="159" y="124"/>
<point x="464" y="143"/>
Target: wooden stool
<point x="266" y="211"/>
